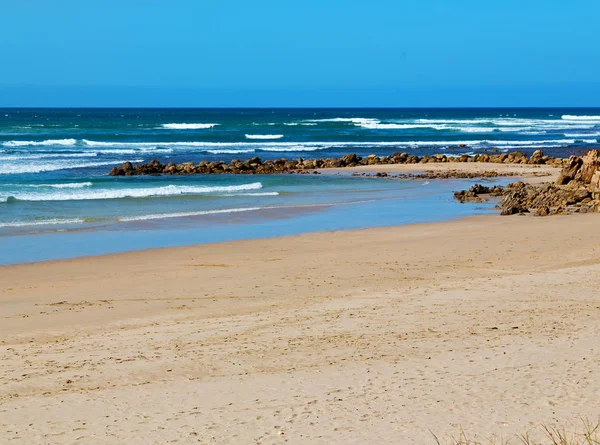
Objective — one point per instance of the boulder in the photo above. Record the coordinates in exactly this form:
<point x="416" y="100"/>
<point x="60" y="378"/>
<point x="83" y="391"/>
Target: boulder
<point x="581" y="170"/>
<point x="350" y="160"/>
<point x="537" y="157"/>
<point x="126" y="169"/>
<point x="589" y="167"/>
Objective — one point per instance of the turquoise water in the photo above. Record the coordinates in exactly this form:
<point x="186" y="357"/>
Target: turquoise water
<point x="56" y="200"/>
<point x="325" y="203"/>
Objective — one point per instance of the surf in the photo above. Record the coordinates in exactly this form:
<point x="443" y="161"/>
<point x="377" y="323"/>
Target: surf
<point x="123" y="193"/>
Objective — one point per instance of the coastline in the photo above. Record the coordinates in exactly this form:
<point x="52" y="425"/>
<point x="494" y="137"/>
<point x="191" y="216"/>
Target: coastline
<point x="393" y="205"/>
<point x="386" y="333"/>
<point x="530" y="173"/>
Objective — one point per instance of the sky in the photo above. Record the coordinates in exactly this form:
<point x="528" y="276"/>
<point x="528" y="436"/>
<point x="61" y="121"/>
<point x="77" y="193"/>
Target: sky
<point x="299" y="53"/>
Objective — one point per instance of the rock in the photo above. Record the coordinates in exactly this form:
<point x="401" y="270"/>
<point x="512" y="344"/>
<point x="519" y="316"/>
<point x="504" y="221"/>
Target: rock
<point x="256" y="165"/>
<point x="595" y="181"/>
<point x="582" y="170"/>
<point x="542" y="211"/>
<point x="126" y="169"/>
<point x="570" y="171"/>
<point x="473" y="194"/>
<point x="589" y="167"/>
<point x="255" y="160"/>
<point x="511" y="209"/>
<point x="537" y="157"/>
<point x="349" y="160"/>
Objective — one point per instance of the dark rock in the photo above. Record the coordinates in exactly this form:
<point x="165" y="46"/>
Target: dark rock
<point x="256" y="165"/>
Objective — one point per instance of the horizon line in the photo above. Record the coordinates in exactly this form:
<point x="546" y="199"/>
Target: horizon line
<point x="488" y="107"/>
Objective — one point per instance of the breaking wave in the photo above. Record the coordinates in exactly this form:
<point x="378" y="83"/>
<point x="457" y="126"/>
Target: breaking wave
<point x="24" y="157"/>
<point x="264" y="136"/>
<point x="568" y="117"/>
<point x="67" y="185"/>
<point x="184" y="214"/>
<point x="41" y="222"/>
<point x="229" y="152"/>
<point x="188" y="126"/>
<point x="49" y="142"/>
<point x="146" y="192"/>
<point x="47" y="167"/>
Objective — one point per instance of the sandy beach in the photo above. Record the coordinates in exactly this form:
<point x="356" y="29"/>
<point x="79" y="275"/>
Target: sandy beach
<point x="488" y="324"/>
<point x="533" y="174"/>
<point x="299" y="223"/>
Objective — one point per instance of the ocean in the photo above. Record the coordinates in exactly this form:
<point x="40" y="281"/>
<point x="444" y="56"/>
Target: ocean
<point x="56" y="200"/>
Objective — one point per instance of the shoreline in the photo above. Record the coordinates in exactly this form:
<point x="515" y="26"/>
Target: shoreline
<point x="487" y="324"/>
<point x="215" y="244"/>
<point x="428" y="326"/>
<point x="494" y="172"/>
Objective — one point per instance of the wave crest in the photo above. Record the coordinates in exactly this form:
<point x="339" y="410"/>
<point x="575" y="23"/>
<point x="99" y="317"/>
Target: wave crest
<point x="569" y="117"/>
<point x="63" y="142"/>
<point x="264" y="136"/>
<point x="184" y="214"/>
<point x="188" y="126"/>
<point x="41" y="222"/>
<point x="47" y="167"/>
<point x="146" y="192"/>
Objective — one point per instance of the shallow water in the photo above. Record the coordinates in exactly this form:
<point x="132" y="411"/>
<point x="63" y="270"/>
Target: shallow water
<point x="334" y="203"/>
<point x="54" y="187"/>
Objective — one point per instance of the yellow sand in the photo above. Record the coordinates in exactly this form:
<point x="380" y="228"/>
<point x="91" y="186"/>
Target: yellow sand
<point x="359" y="337"/>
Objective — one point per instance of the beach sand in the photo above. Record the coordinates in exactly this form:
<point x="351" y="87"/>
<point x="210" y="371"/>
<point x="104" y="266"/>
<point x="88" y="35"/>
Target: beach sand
<point x="533" y="174"/>
<point x="489" y="324"/>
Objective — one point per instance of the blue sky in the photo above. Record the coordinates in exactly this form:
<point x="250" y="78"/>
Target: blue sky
<point x="299" y="53"/>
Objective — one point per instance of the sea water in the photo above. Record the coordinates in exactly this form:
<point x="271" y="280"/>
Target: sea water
<point x="57" y="201"/>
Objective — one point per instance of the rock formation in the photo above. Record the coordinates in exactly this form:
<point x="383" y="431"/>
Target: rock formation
<point x="257" y="166"/>
<point x="577" y="190"/>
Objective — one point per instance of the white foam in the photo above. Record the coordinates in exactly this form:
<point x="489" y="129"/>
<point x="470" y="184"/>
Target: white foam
<point x="145" y="192"/>
<point x="117" y="152"/>
<point x="553" y="142"/>
<point x="264" y="136"/>
<point x="473" y="129"/>
<point x="23" y="157"/>
<point x="376" y="125"/>
<point x="46" y="167"/>
<point x="41" y="223"/>
<point x="72" y="185"/>
<point x="245" y="147"/>
<point x="252" y="194"/>
<point x="155" y="150"/>
<point x="508" y="122"/>
<point x="231" y="152"/>
<point x="188" y="126"/>
<point x="297" y="147"/>
<point x="186" y="214"/>
<point x="582" y="135"/>
<point x="49" y="142"/>
<point x="353" y="120"/>
<point x="568" y="117"/>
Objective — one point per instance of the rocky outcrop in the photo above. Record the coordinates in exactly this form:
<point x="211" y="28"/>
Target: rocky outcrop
<point x="584" y="170"/>
<point x="576" y="190"/>
<point x="451" y="174"/>
<point x="257" y="166"/>
<point x="478" y="193"/>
